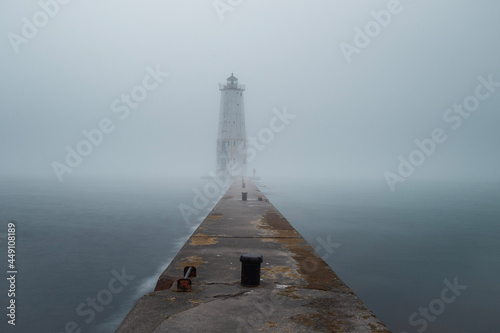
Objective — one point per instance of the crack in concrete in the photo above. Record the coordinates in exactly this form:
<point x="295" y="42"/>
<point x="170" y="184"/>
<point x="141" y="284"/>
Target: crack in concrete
<point x="219" y="284"/>
<point x="215" y="298"/>
<point x="226" y="296"/>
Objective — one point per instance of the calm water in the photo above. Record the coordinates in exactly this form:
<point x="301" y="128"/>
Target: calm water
<point x="71" y="236"/>
<point x="394" y="249"/>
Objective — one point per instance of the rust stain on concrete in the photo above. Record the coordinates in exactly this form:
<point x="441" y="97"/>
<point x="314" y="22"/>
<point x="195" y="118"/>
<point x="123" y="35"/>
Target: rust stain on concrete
<point x="290" y="241"/>
<point x="289" y="291"/>
<point x="274" y="272"/>
<point x="259" y="224"/>
<point x="214" y="217"/>
<point x="195" y="302"/>
<point x="195" y="261"/>
<point x="202" y="239"/>
<point x="268" y="240"/>
<point x="164" y="282"/>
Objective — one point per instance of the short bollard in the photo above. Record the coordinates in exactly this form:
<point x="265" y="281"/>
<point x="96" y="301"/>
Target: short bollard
<point x="244" y="196"/>
<point x="250" y="269"/>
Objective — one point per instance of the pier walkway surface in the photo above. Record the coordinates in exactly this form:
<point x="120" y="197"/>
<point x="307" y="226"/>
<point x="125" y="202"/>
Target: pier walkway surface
<point x="298" y="291"/>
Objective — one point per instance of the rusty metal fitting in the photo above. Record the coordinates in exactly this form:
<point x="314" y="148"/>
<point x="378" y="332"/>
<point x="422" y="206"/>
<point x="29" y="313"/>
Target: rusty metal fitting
<point x="184" y="284"/>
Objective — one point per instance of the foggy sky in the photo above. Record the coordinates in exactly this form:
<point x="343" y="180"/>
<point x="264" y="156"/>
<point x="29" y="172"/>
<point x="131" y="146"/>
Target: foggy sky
<point x="353" y="119"/>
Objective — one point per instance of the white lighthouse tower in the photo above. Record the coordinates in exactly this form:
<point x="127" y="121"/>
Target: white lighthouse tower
<point x="231" y="138"/>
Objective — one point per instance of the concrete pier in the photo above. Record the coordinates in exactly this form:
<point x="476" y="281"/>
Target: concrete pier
<point x="298" y="291"/>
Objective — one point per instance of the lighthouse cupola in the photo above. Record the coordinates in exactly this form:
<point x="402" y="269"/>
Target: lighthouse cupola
<point x="232" y="81"/>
